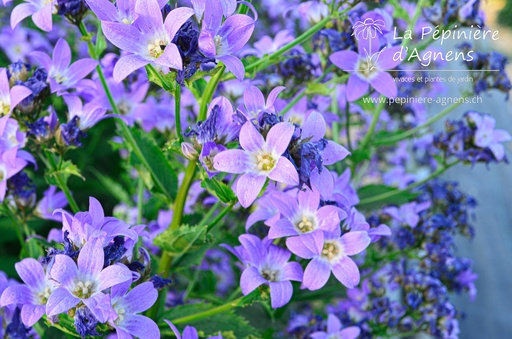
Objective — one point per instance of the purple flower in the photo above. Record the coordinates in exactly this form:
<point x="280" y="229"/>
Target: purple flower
<point x="368" y="69"/>
<point x="126" y="306"/>
<point x="83" y="282"/>
<point x="268" y="264"/>
<point x="487" y="136"/>
<point x="228" y="7"/>
<point x="408" y="213"/>
<point x="62" y="75"/>
<point x="208" y="153"/>
<point x="188" y="333"/>
<point x="329" y="252"/>
<point x="258" y="160"/>
<point x="334" y="330"/>
<point x="33" y="295"/>
<point x="267" y="45"/>
<point x="220" y="40"/>
<point x="255" y="103"/>
<point x="88" y="115"/>
<point x="148" y="39"/>
<point x="51" y="201"/>
<point x="304" y="216"/>
<point x="10" y="97"/>
<point x="41" y="11"/>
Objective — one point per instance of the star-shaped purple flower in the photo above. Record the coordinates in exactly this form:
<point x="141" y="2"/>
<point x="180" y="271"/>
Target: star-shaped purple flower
<point x="10" y="97"/>
<point x="268" y="264"/>
<point x="329" y="252"/>
<point x="487" y="136"/>
<point x="408" y="213"/>
<point x="148" y="39"/>
<point x="85" y="281"/>
<point x="61" y="74"/>
<point x="258" y="160"/>
<point x="334" y="330"/>
<point x="41" y="11"/>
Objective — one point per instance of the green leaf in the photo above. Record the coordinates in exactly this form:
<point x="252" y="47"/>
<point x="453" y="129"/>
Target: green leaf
<point x="390" y="196"/>
<point x="219" y="189"/>
<point x="168" y="79"/>
<point x="150" y="155"/>
<point x="66" y="170"/>
<point x="228" y="322"/>
<point x="182" y="240"/>
<point x="360" y="155"/>
<point x="114" y="188"/>
<point x="318" y="88"/>
<point x="101" y="43"/>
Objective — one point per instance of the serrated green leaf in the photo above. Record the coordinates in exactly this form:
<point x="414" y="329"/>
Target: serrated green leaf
<point x="228" y="322"/>
<point x="219" y="189"/>
<point x="154" y="161"/>
<point x="394" y="196"/>
<point x="67" y="169"/>
<point x="182" y="240"/>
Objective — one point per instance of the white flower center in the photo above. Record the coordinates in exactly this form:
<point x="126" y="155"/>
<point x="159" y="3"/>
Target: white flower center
<point x="306" y="223"/>
<point x="84" y="289"/>
<point x="43" y="295"/>
<point x="270" y="274"/>
<point x="366" y="69"/>
<point x="332" y="250"/>
<point x="218" y="44"/>
<point x="5" y="107"/>
<point x="265" y="161"/>
<point x="156" y="48"/>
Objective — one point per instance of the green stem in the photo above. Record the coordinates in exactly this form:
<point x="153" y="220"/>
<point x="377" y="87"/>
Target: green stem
<point x="430" y="121"/>
<point x="16" y="223"/>
<point x="140" y="197"/>
<point x="221" y="215"/>
<point x="208" y="313"/>
<point x="208" y="93"/>
<point x="366" y="140"/>
<point x="62" y="183"/>
<point x="347" y="124"/>
<point x="177" y="112"/>
<point x="387" y="195"/>
<point x="165" y="85"/>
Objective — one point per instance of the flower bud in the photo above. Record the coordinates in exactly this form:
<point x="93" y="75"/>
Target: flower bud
<point x="189" y="151"/>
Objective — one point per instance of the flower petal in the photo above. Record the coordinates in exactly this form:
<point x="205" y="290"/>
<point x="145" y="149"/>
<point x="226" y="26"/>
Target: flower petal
<point x="80" y="68"/>
<point x="317" y="274"/>
<point x="284" y="172"/>
<point x="127" y="65"/>
<point x="250" y="139"/>
<point x="231" y="161"/>
<point x="346" y="60"/>
<point x="91" y="258"/>
<point x="60" y="301"/>
<point x="346" y="272"/>
<point x="333" y="153"/>
<point x="64" y="270"/>
<point x="249" y="187"/>
<point x="43" y="17"/>
<point x="18" y="93"/>
<point x="384" y="84"/>
<point x="355" y="242"/>
<point x="20" y="12"/>
<point x="61" y="56"/>
<point x="16" y="294"/>
<point x="282" y="228"/>
<point x="171" y="57"/>
<point x="176" y="18"/>
<point x="141" y="297"/>
<point x="125" y="37"/>
<point x="140" y="326"/>
<point x="234" y="65"/>
<point x="356" y="87"/>
<point x="31" y="272"/>
<point x="285" y="203"/>
<point x="30" y="314"/>
<point x="279" y="136"/>
<point x="113" y="275"/>
<point x="307" y="245"/>
<point x="250" y="280"/>
<point x="254" y="100"/>
<point x="314" y="127"/>
<point x="293" y="271"/>
<point x="280" y="293"/>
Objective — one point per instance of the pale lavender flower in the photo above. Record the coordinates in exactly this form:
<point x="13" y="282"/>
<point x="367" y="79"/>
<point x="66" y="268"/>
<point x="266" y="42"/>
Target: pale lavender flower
<point x="258" y="160"/>
<point x="368" y="68"/>
<point x="255" y="102"/>
<point x="41" y="11"/>
<point x="407" y="214"/>
<point x="265" y="210"/>
<point x="487" y="136"/>
<point x="61" y="73"/>
<point x="148" y="39"/>
<point x="220" y="40"/>
<point x="334" y="330"/>
<point x="228" y="7"/>
<point x="329" y="252"/>
<point x="126" y="306"/>
<point x="51" y="201"/>
<point x="188" y="333"/>
<point x="10" y="97"/>
<point x="267" y="45"/>
<point x="83" y="282"/>
<point x="303" y="215"/>
<point x="18" y="43"/>
<point x="268" y="264"/>
<point x="33" y="295"/>
<point x="123" y="11"/>
<point x="89" y="114"/>
<point x="313" y="11"/>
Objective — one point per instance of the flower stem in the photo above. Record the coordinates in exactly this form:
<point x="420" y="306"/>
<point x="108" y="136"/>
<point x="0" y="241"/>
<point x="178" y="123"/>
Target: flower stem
<point x="376" y="115"/>
<point x="208" y="93"/>
<point x="407" y="134"/>
<point x="177" y="112"/>
<point x="387" y="195"/>
<point x="62" y="183"/>
<point x="165" y="85"/>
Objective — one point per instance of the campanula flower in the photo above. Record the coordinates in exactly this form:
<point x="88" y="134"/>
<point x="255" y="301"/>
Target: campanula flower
<point x="258" y="159"/>
<point x="329" y="252"/>
<point x="128" y="322"/>
<point x="334" y="330"/>
<point x="303" y="215"/>
<point x="268" y="264"/>
<point x="220" y="40"/>
<point x="10" y="97"/>
<point x="368" y="68"/>
<point x="255" y="102"/>
<point x="188" y="333"/>
<point x="62" y="74"/>
<point x="407" y="214"/>
<point x="88" y="115"/>
<point x="148" y="39"/>
<point x="487" y="136"/>
<point x="31" y="296"/>
<point x="51" y="201"/>
<point x="122" y="11"/>
<point x="41" y="11"/>
<point x="84" y="280"/>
